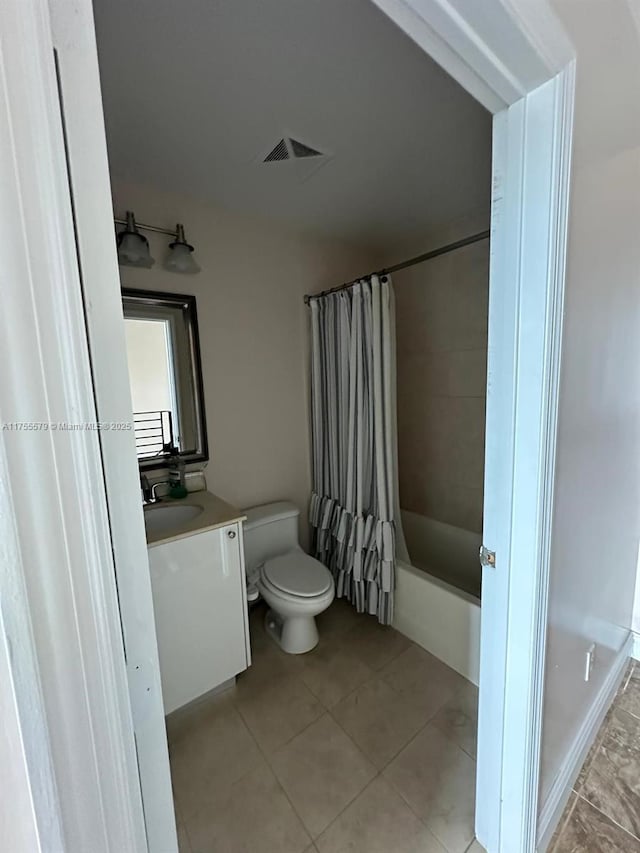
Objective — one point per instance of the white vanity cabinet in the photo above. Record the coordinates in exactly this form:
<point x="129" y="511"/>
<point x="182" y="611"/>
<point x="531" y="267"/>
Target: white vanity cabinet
<point x="199" y="599"/>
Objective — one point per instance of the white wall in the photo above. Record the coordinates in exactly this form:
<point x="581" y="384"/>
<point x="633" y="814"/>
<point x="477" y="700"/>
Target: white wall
<point x="596" y="525"/>
<point x="253" y="335"/>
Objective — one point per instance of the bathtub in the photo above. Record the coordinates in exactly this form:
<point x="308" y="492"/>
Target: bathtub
<point x="437" y="601"/>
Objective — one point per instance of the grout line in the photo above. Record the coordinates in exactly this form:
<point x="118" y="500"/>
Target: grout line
<point x="311" y="835"/>
<point x="609" y="817"/>
<point x="275" y="776"/>
<point x="350" y="803"/>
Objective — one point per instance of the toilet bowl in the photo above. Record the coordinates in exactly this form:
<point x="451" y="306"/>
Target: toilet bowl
<point x="296" y="587"/>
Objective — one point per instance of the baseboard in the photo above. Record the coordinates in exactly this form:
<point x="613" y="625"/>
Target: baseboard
<point x="635" y="650"/>
<point x="561" y="790"/>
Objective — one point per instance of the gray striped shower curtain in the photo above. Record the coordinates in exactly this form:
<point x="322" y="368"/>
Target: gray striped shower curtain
<point x="354" y="442"/>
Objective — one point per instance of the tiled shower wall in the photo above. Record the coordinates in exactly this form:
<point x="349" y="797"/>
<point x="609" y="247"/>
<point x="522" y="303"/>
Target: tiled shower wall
<point x="441" y="313"/>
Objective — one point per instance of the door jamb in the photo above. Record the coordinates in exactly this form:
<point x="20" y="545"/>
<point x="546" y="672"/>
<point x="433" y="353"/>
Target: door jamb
<point x="530" y="90"/>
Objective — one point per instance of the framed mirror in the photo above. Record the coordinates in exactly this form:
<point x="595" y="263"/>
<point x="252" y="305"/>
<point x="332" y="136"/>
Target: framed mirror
<point x="165" y="373"/>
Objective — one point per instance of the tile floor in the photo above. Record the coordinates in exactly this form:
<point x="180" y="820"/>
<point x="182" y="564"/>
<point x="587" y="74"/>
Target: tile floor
<point x="603" y="813"/>
<point x="366" y="745"/>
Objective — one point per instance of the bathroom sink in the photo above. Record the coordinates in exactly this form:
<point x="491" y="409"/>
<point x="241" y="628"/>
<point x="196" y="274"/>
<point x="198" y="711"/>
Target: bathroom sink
<point x="166" y="517"/>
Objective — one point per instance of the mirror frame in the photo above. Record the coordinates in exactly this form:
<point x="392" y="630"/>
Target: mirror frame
<point x="187" y="303"/>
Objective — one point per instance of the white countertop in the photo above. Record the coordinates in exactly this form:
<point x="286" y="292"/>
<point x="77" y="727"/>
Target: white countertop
<point x="216" y="513"/>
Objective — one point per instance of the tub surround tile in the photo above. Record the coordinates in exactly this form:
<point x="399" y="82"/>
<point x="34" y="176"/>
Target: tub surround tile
<point x="378" y="821"/>
<point x="441" y="343"/>
<point x="437" y="779"/>
<point x="252" y="814"/>
<point x="322" y="770"/>
<point x="589" y="830"/>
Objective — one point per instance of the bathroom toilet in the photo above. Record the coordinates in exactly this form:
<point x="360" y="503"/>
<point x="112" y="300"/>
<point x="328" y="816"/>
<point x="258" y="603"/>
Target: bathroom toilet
<point x="295" y="586"/>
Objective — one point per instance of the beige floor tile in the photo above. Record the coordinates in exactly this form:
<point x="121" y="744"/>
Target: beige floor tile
<point x="184" y="721"/>
<point x="378" y="821"/>
<point x="279" y="711"/>
<point x="375" y="644"/>
<point x="336" y="619"/>
<point x="331" y="671"/>
<point x="267" y="664"/>
<point x="458" y="719"/>
<point x="476" y="847"/>
<point x="437" y="779"/>
<point x="321" y="770"/>
<point x="215" y="752"/>
<point x="380" y="720"/>
<point x="590" y="831"/>
<point x="418" y="674"/>
<point x="252" y="816"/>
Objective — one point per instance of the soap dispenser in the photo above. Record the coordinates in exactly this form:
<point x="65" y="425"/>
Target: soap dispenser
<point x="177" y="487"/>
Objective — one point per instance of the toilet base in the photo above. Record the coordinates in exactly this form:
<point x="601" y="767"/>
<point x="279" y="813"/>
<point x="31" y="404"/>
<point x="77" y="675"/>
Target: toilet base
<point x="295" y="634"/>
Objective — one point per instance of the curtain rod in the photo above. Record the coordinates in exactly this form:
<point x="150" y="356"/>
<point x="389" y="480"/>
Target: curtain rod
<point x="434" y="253"/>
<point x="153" y="228"/>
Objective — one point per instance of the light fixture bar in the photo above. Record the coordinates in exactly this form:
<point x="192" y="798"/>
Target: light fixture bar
<point x="153" y="228"/>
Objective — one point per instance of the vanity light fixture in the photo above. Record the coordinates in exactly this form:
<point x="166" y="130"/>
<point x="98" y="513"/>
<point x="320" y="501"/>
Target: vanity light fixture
<point x="180" y="255"/>
<point x="133" y="247"/>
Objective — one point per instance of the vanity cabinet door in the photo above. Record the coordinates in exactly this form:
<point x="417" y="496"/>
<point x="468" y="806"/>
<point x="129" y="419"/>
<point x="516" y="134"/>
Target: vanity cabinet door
<point x="199" y="598"/>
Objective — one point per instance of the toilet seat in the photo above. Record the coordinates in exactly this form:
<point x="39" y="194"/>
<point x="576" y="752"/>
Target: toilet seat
<point x="297" y="574"/>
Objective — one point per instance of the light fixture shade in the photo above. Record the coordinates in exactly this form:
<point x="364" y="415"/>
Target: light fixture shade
<point x="133" y="248"/>
<point x="180" y="255"/>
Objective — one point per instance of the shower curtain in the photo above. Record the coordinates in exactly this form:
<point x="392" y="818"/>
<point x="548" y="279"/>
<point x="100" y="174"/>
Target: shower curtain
<point x="352" y="511"/>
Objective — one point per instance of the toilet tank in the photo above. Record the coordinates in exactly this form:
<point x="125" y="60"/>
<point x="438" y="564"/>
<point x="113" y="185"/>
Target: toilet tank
<point x="270" y="530"/>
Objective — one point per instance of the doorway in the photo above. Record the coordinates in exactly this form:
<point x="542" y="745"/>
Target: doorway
<point x="494" y="828"/>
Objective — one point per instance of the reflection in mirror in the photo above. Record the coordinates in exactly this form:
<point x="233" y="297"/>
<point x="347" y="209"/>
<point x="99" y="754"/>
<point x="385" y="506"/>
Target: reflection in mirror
<point x="165" y="376"/>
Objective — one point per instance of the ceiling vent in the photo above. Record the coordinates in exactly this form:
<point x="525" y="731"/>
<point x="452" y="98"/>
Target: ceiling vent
<point x="299" y="149"/>
<point x="291" y="149"/>
<point x="278" y="152"/>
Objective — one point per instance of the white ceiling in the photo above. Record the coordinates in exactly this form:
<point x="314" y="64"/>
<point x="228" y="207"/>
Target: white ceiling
<point x="197" y="92"/>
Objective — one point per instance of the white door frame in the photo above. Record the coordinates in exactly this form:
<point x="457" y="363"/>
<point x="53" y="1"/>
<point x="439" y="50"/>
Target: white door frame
<point x="64" y="687"/>
<point x="522" y="70"/>
<point x="76" y="714"/>
<point x="74" y="40"/>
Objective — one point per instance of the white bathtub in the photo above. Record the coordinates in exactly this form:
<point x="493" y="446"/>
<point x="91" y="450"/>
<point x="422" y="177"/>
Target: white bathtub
<point x="433" y="612"/>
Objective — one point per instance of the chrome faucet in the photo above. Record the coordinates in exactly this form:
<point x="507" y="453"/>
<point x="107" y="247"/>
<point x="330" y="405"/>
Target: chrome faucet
<point x="148" y="492"/>
<point x="153" y="497"/>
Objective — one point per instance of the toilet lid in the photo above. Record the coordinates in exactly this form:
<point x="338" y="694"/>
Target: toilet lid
<point x="298" y="574"/>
